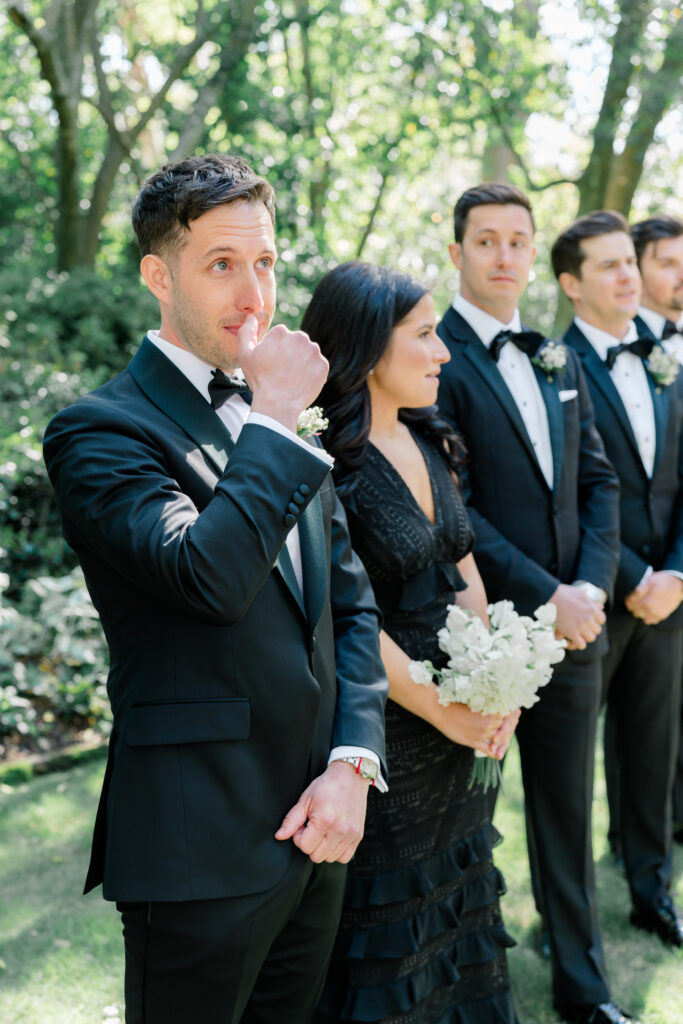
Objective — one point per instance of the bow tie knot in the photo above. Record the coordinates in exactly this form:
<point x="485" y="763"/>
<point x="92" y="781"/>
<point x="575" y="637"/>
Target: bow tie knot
<point x="668" y="329"/>
<point x="527" y="342"/>
<point x="222" y="387"/>
<point x="640" y="347"/>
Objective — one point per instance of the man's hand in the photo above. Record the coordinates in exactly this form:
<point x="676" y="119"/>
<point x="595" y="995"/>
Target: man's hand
<point x="285" y="370"/>
<point x="579" y="618"/>
<point x="328" y="819"/>
<point x="656" y="598"/>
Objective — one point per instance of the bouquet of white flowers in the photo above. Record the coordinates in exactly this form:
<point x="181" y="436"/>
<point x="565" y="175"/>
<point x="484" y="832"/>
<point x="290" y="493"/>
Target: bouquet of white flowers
<point x="494" y="670"/>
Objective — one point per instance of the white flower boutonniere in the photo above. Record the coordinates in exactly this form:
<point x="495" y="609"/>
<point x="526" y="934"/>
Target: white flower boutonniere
<point x="662" y="366"/>
<point x="551" y="357"/>
<point x="311" y="422"/>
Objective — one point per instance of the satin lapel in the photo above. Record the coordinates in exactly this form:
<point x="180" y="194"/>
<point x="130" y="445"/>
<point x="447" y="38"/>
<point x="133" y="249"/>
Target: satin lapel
<point x="596" y="369"/>
<point x="478" y="355"/>
<point x="555" y="413"/>
<point x="660" y="404"/>
<point x="642" y="328"/>
<point x="313" y="558"/>
<point x="286" y="570"/>
<point x="167" y="388"/>
<point x="171" y="391"/>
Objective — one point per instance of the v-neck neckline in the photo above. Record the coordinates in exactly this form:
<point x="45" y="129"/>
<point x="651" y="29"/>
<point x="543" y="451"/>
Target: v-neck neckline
<point x="436" y="504"/>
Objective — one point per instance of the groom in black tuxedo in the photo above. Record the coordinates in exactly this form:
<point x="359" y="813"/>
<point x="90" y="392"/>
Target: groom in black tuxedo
<point x="246" y="684"/>
<point x="638" y="397"/>
<point x="544" y="505"/>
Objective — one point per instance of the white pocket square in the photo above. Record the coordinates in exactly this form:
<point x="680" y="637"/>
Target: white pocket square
<point x="566" y="396"/>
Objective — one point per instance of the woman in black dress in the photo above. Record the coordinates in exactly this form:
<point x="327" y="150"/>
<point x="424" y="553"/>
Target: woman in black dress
<point x="421" y="940"/>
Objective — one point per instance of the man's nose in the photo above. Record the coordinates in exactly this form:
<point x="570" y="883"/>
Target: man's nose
<point x="250" y="297"/>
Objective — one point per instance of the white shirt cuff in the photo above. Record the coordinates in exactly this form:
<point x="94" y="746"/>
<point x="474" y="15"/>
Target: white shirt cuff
<point x="346" y="751"/>
<point x="674" y="572"/>
<point x="646" y="575"/>
<point x="267" y="421"/>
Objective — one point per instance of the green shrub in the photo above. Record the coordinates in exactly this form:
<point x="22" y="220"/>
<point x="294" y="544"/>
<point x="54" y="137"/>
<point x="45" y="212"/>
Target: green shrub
<point x="53" y="659"/>
<point x="60" y="337"/>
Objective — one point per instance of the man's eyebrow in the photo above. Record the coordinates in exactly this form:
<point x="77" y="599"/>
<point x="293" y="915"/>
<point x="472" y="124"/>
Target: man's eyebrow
<point x="496" y="231"/>
<point x="221" y="249"/>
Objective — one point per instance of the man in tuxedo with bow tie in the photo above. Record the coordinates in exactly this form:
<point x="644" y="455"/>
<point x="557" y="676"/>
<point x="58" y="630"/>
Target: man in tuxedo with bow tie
<point x="658" y="242"/>
<point x="638" y="403"/>
<point x="544" y="505"/>
<point x="246" y="684"/>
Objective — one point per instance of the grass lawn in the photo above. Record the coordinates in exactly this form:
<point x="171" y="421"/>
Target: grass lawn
<point x="61" y="953"/>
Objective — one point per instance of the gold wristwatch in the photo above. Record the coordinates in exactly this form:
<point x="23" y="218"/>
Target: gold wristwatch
<point x="366" y="768"/>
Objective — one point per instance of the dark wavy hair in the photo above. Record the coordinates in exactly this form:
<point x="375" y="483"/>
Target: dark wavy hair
<point x="184" y="191"/>
<point x="351" y="315"/>
<point x="653" y="230"/>
<point x="567" y="254"/>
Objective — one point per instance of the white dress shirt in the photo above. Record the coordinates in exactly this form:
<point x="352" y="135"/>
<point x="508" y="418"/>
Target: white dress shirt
<point x="516" y="370"/>
<point x="235" y="413"/>
<point x="630" y="379"/>
<point x="655" y="321"/>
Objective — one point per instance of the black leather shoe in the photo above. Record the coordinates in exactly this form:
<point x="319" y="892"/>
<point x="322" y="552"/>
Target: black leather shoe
<point x="663" y="919"/>
<point x="600" y="1013"/>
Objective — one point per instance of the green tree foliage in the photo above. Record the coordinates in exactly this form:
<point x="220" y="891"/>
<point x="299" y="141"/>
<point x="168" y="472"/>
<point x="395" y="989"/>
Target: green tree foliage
<point x="369" y="117"/>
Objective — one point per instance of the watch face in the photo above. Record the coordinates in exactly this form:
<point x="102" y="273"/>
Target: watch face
<point x="368" y="769"/>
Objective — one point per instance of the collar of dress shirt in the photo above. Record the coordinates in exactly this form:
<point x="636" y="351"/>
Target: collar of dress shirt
<point x="195" y="369"/>
<point x="485" y="325"/>
<point x="655" y="321"/>
<point x="601" y="340"/>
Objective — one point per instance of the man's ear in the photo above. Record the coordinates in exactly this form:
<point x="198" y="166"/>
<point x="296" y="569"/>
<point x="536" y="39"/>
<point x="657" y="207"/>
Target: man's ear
<point x="455" y="253"/>
<point x="157" y="276"/>
<point x="570" y="285"/>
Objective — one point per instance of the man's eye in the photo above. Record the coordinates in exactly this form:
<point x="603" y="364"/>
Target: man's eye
<point x="266" y="262"/>
<point x="221" y="265"/>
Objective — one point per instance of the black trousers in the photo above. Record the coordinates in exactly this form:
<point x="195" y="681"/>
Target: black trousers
<point x="557" y="746"/>
<point x="257" y="959"/>
<point x="642" y="678"/>
<point x="678" y="781"/>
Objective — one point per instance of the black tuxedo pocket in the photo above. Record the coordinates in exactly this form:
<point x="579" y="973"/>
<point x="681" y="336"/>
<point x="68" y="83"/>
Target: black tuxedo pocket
<point x="188" y="721"/>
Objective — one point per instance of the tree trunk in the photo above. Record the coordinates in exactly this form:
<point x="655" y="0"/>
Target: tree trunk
<point x="594" y="180"/>
<point x="659" y="92"/>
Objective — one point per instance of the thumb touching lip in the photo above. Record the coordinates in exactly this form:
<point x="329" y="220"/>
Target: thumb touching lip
<point x="248" y="332"/>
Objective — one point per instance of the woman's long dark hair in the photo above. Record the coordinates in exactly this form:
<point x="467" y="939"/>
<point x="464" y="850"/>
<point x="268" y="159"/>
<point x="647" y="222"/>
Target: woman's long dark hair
<point x="351" y="315"/>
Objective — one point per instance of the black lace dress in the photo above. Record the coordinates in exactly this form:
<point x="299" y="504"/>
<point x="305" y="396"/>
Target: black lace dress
<point x="421" y="939"/>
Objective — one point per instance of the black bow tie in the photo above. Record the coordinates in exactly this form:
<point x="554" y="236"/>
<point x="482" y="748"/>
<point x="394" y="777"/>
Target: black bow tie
<point x="669" y="329"/>
<point x="528" y="342"/>
<point x="222" y="387"/>
<point x="640" y="347"/>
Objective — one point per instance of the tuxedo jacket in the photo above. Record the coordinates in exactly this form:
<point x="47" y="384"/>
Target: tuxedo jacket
<point x="651" y="508"/>
<point x="228" y="689"/>
<point x="529" y="537"/>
